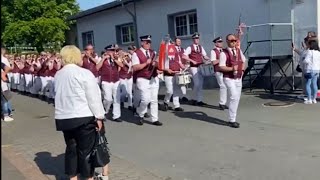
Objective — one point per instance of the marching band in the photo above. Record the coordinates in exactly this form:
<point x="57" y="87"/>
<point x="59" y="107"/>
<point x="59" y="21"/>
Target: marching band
<point x="133" y="76"/>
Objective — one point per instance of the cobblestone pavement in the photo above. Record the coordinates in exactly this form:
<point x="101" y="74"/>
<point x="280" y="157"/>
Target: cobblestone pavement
<point x="33" y="135"/>
<point x="273" y="143"/>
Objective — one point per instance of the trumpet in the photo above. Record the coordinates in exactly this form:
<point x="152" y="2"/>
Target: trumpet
<point x="124" y="56"/>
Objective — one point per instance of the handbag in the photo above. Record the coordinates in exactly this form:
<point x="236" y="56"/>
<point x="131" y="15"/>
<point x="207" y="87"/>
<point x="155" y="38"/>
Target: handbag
<point x="299" y="69"/>
<point x="100" y="155"/>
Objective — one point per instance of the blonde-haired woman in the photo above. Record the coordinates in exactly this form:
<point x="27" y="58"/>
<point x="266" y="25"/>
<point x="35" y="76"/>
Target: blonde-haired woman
<point x="79" y="112"/>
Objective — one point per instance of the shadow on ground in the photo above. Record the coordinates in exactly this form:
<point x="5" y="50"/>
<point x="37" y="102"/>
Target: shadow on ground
<point x="51" y="165"/>
<point x="201" y="116"/>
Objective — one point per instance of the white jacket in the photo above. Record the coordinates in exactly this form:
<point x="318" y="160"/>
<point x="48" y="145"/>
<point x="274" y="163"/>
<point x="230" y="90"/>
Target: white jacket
<point x="311" y="62"/>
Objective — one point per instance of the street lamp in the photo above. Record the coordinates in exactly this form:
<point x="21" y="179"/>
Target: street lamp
<point x="134" y="18"/>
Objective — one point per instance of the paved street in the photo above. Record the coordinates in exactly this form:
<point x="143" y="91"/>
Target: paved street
<point x="273" y="143"/>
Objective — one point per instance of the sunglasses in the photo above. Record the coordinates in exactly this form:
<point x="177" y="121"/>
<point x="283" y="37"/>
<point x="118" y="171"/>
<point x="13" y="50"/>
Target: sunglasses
<point x="219" y="41"/>
<point x="232" y="40"/>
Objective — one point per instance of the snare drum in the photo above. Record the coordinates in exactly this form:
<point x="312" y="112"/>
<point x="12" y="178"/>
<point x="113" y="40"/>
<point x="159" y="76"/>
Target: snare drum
<point x="183" y="78"/>
<point x="206" y="69"/>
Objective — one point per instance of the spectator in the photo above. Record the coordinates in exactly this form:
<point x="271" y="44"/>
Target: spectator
<point x="311" y="65"/>
<point x="5" y="103"/>
<point x="79" y="112"/>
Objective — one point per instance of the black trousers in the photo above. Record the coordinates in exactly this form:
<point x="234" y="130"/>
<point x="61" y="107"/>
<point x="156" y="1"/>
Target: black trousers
<point x="79" y="145"/>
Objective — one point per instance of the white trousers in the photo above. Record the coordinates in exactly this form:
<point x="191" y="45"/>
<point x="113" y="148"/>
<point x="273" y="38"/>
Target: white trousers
<point x="36" y="85"/>
<point x="149" y="90"/>
<point x="15" y="79"/>
<point x="29" y="82"/>
<point x="22" y="82"/>
<point x="173" y="89"/>
<point x="136" y="96"/>
<point x="126" y="90"/>
<point x="50" y="92"/>
<point x="111" y="95"/>
<point x="234" y="88"/>
<point x="223" y="89"/>
<point x="44" y="85"/>
<point x="197" y="83"/>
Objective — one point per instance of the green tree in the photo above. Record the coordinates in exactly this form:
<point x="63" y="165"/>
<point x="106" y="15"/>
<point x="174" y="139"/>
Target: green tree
<point x="36" y="22"/>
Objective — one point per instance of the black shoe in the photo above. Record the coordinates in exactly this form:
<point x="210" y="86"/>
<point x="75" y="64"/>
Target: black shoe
<point x="157" y="123"/>
<point x="184" y="99"/>
<point x="200" y="103"/>
<point x="226" y="107"/>
<point x="222" y="107"/>
<point x="165" y="107"/>
<point x="178" y="109"/>
<point x="234" y="124"/>
<point x="140" y="121"/>
<point x="130" y="108"/>
<point x="146" y="115"/>
<point x="117" y="120"/>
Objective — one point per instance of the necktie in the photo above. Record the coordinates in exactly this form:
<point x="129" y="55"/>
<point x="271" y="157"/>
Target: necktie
<point x="198" y="49"/>
<point x="179" y="49"/>
<point x="110" y="62"/>
<point x="147" y="54"/>
<point x="234" y="52"/>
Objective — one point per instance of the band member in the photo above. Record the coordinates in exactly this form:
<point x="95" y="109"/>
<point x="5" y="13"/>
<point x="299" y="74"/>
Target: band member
<point x="15" y="74"/>
<point x="126" y="77"/>
<point x="90" y="60"/>
<point x="109" y="67"/>
<point x="27" y="71"/>
<point x="173" y="88"/>
<point x="145" y="67"/>
<point x="215" y="56"/>
<point x="232" y="64"/>
<point x="195" y="55"/>
<point x="36" y="79"/>
<point x="21" y="65"/>
<point x="184" y="62"/>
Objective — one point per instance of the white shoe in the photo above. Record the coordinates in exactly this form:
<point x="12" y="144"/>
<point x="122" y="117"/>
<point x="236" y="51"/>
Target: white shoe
<point x="314" y="101"/>
<point x="101" y="177"/>
<point x="8" y="119"/>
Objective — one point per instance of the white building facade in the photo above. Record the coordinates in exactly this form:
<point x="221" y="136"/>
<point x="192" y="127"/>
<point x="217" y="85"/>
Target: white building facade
<point x="111" y="23"/>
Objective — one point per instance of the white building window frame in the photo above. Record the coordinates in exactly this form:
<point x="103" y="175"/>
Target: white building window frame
<point x="187" y="15"/>
<point x="130" y="34"/>
<point x="85" y="38"/>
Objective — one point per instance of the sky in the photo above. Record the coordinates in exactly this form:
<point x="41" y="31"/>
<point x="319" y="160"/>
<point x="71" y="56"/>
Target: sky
<point x="87" y="4"/>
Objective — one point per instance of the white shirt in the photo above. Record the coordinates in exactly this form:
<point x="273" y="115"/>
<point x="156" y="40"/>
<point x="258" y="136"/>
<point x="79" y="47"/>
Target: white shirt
<point x="213" y="55"/>
<point x="187" y="52"/>
<point x="135" y="58"/>
<point x="5" y="61"/>
<point x="223" y="57"/>
<point x="77" y="94"/>
<point x="311" y="61"/>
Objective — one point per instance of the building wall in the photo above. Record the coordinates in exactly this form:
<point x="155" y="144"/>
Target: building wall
<point x="215" y="18"/>
<point x="151" y="19"/>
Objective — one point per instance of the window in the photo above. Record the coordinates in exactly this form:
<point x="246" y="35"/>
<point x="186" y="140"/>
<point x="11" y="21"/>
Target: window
<point x="125" y="33"/>
<point x="185" y="24"/>
<point x="87" y="38"/>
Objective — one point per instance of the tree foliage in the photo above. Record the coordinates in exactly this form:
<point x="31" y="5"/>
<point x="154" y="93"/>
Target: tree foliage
<point x="36" y="22"/>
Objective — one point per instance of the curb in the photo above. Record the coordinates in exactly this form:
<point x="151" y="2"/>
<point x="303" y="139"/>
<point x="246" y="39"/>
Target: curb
<point x="29" y="171"/>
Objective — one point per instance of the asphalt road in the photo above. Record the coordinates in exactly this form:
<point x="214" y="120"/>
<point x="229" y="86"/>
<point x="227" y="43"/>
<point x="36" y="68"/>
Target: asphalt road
<point x="273" y="143"/>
